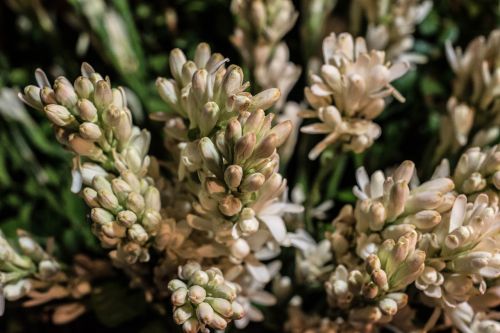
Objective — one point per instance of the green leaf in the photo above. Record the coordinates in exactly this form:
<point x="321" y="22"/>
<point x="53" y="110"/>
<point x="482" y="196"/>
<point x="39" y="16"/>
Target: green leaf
<point x="431" y="87"/>
<point x="430" y="24"/>
<point x="115" y="304"/>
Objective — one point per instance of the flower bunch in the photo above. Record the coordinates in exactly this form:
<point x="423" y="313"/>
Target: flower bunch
<point x="28" y="271"/>
<point x="91" y="119"/>
<point x="349" y="92"/>
<point x="391" y="25"/>
<point x="473" y="116"/>
<point x="203" y="298"/>
<point x="429" y="236"/>
<point x="261" y="24"/>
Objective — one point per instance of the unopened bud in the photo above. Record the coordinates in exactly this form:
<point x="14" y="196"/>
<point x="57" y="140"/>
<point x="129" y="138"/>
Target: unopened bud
<point x="126" y="218"/>
<point x="244" y="147"/>
<point x="90" y="131"/>
<point x="103" y="95"/>
<point x="84" y="87"/>
<point x="137" y="233"/>
<point x="197" y="294"/>
<point x="233" y="176"/>
<point x="59" y="115"/>
<point x="205" y="313"/>
<point x="253" y="182"/>
<point x="87" y="110"/>
<point x="230" y="205"/>
<point x="183" y="313"/>
<point x="135" y="203"/>
<point x="179" y="296"/>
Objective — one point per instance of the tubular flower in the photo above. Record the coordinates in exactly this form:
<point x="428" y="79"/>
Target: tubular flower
<point x="477" y="171"/>
<point x="203" y="298"/>
<point x="227" y="159"/>
<point x="92" y="120"/>
<point x="261" y="24"/>
<point x="391" y="26"/>
<point x="32" y="274"/>
<point x="474" y="108"/>
<point x="349" y="93"/>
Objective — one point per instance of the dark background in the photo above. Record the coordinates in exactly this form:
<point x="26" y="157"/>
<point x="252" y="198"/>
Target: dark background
<point x="34" y="170"/>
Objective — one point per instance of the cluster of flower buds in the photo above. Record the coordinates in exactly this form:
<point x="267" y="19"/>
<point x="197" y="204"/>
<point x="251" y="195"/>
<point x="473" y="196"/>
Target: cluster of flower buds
<point x="206" y="93"/>
<point x="373" y="293"/>
<point x="239" y="166"/>
<point x="391" y="25"/>
<point x="477" y="171"/>
<point x="463" y="251"/>
<point x="125" y="212"/>
<point x="474" y="107"/>
<point x="203" y="299"/>
<point x="261" y="24"/>
<point x="226" y="155"/>
<point x="16" y="268"/>
<point x="92" y="120"/>
<point x="349" y="93"/>
<point x="389" y="206"/>
<point x="442" y="236"/>
<point x="34" y="274"/>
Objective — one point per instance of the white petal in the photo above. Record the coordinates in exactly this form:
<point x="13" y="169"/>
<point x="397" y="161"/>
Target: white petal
<point x="263" y="298"/>
<point x="457" y="212"/>
<point x="276" y="226"/>
<point x="258" y="270"/>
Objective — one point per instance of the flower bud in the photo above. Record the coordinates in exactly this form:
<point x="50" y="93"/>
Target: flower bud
<point x="59" y="115"/>
<point x="179" y="296"/>
<point x="90" y="131"/>
<point x="152" y="199"/>
<point x="218" y="322"/>
<point x="192" y="325"/>
<point x="32" y="97"/>
<point x="85" y="147"/>
<point x="108" y="200"/>
<point x="265" y="99"/>
<point x="101" y="216"/>
<point x="205" y="313"/>
<point x="230" y="205"/>
<point x="254" y="122"/>
<point x="151" y="221"/>
<point x="167" y="91"/>
<point x="90" y="197"/>
<point x="221" y="306"/>
<point x="199" y="278"/>
<point x="388" y="306"/>
<point x="197" y="294"/>
<point x="208" y="117"/>
<point x="87" y="110"/>
<point x="126" y="218"/>
<point x="137" y="233"/>
<point x="135" y="203"/>
<point x="48" y="96"/>
<point x="65" y="93"/>
<point x="240" y="248"/>
<point x="84" y="87"/>
<point x="233" y="176"/>
<point x="183" y="313"/>
<point x="238" y="311"/>
<point x="253" y="182"/>
<point x="233" y="131"/>
<point x="211" y="156"/>
<point x="175" y="284"/>
<point x="244" y="147"/>
<point x="103" y="95"/>
<point x="187" y="271"/>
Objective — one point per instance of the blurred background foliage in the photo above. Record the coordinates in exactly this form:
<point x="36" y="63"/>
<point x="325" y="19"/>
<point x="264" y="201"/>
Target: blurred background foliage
<point x="130" y="40"/>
